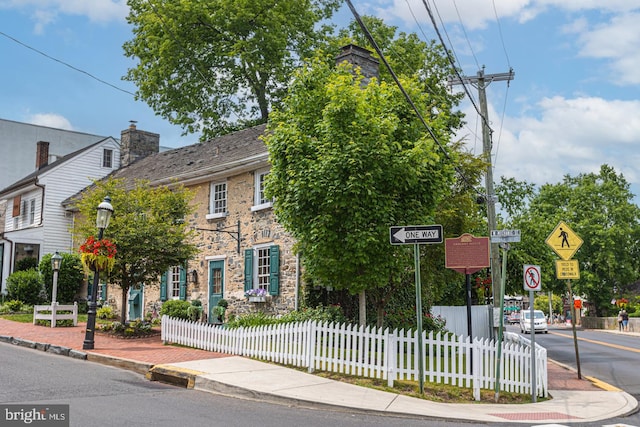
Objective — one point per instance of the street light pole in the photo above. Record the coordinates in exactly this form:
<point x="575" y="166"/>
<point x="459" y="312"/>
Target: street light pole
<point x="56" y="262"/>
<point x="102" y="221"/>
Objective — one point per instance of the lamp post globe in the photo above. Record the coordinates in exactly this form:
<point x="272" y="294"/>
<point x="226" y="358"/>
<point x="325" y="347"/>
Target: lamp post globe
<point x="105" y="210"/>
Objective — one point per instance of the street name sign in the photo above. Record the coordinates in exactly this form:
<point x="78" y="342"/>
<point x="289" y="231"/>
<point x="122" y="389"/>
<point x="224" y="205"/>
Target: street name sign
<point x="564" y="241"/>
<point x="415" y="234"/>
<point x="567" y="269"/>
<point x="505" y="236"/>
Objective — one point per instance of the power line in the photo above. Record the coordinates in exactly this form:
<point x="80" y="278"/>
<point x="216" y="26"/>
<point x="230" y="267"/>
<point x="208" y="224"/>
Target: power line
<point x="464" y="31"/>
<point x="66" y="64"/>
<point x="371" y="40"/>
<point x="504" y="48"/>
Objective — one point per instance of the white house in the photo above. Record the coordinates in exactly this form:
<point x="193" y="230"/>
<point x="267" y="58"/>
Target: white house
<point x="35" y="223"/>
<point x="18" y="147"/>
<point x="34" y="220"/>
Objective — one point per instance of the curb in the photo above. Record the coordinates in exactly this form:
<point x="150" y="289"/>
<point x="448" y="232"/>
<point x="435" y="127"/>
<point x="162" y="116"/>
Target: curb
<point x="130" y="365"/>
<point x="172" y="375"/>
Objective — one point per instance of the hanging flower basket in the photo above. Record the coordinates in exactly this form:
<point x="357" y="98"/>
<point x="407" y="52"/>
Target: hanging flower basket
<point x="98" y="255"/>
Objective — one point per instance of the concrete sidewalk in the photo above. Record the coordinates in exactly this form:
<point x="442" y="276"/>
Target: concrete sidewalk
<point x="572" y="400"/>
<point x="251" y="379"/>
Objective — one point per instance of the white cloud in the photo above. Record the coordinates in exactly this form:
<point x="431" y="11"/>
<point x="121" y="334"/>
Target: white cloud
<point x="617" y="41"/>
<point x="43" y="12"/>
<point x="51" y="120"/>
<point x="571" y="136"/>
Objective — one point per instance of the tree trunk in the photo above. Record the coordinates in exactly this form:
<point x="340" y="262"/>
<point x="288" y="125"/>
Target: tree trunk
<point x="123" y="305"/>
<point x="362" y="300"/>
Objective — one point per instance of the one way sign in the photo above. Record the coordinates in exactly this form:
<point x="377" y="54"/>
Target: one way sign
<point x="415" y="234"/>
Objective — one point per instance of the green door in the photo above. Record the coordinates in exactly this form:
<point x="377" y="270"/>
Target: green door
<point x="135" y="303"/>
<point x="216" y="287"/>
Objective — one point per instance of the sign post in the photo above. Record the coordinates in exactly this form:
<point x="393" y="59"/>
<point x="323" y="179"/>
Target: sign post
<point x="566" y="243"/>
<point x="532" y="283"/>
<point x="417" y="234"/>
<point x="503" y="237"/>
<point x="467" y="254"/>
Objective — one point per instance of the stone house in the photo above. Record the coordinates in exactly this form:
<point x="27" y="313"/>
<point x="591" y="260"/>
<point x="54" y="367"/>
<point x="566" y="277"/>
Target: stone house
<point x="241" y="246"/>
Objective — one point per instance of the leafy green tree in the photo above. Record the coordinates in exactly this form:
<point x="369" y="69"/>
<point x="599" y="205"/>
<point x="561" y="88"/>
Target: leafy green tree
<point x="348" y="161"/>
<point x="148" y="227"/>
<point x="599" y="208"/>
<point x="408" y="55"/>
<point x="70" y="277"/>
<point x="205" y="64"/>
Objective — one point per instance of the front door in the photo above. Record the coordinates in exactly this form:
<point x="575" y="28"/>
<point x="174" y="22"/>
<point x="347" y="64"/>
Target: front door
<point x="135" y="303"/>
<point x="216" y="287"/>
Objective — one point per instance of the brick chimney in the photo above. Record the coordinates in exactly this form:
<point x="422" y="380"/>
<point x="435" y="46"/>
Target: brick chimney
<point x="42" y="154"/>
<point x="360" y="57"/>
<point x="136" y="144"/>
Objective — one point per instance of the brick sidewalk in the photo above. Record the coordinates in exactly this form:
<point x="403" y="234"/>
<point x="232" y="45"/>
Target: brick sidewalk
<point x="151" y="350"/>
<point x="148" y="350"/>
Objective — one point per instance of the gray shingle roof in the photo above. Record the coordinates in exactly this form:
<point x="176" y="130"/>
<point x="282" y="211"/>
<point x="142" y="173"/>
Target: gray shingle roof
<point x="205" y="158"/>
<point x="33" y="177"/>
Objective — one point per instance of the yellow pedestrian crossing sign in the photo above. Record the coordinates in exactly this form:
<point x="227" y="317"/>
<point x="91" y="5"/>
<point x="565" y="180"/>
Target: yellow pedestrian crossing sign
<point x="564" y="241"/>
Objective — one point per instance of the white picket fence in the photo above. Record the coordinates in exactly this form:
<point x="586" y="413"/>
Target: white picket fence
<point x="372" y="352"/>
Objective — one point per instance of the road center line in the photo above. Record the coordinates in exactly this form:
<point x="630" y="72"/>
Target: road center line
<point x="616" y="346"/>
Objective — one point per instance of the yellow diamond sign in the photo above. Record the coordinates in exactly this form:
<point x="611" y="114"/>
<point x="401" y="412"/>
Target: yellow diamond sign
<point x="564" y="241"/>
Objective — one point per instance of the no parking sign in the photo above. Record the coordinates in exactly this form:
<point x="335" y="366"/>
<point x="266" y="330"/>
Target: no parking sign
<point x="532" y="278"/>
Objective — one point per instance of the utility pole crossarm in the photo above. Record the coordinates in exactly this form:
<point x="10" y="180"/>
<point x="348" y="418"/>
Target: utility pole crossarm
<point x="486" y="78"/>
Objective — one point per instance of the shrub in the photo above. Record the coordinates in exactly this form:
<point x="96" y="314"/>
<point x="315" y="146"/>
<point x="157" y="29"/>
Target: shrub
<point x="26" y="286"/>
<point x="176" y="308"/>
<point x="13" y="305"/>
<point x="27" y="264"/>
<point x="322" y="314"/>
<point x="70" y="276"/>
<point x="105" y="312"/>
<point x="194" y="312"/>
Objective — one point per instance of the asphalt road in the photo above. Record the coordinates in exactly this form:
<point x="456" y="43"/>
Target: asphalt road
<point x="100" y="395"/>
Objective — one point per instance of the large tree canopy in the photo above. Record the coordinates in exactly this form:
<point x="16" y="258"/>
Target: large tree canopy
<point x="213" y="65"/>
<point x="599" y="208"/>
<point x="148" y="227"/>
<point x="348" y="161"/>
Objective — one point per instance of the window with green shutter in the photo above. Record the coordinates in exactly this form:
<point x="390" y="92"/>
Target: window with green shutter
<point x="262" y="269"/>
<point x="274" y="270"/>
<point x="248" y="269"/>
<point x="183" y="283"/>
<point x="163" y="287"/>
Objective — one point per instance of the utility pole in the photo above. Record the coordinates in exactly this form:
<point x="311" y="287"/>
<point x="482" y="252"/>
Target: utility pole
<point x="481" y="81"/>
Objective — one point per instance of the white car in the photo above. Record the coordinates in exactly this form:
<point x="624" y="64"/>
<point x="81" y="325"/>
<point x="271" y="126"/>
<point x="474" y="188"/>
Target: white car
<point x="539" y="322"/>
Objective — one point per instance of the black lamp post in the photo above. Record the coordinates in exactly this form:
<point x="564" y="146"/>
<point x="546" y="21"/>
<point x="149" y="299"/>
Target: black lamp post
<point x="102" y="221"/>
<point x="56" y="262"/>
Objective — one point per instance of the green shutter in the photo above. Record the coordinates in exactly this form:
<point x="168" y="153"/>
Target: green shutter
<point x="183" y="283"/>
<point x="163" y="287"/>
<point x="248" y="269"/>
<point x="274" y="270"/>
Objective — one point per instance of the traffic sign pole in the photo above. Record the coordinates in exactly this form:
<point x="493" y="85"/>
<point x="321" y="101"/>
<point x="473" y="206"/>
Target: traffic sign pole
<point x="417" y="234"/>
<point x="416" y="258"/>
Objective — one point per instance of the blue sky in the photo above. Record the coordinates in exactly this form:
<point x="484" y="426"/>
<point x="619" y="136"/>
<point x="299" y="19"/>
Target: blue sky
<point x="574" y="103"/>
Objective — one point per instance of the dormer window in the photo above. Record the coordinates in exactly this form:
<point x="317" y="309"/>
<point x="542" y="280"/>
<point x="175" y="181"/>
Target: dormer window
<point x="107" y="158"/>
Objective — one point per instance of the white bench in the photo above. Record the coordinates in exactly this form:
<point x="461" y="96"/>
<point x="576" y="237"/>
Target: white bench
<point x="50" y="312"/>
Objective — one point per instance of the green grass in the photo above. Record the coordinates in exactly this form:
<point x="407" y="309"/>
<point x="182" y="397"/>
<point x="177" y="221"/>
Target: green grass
<point x="27" y="317"/>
